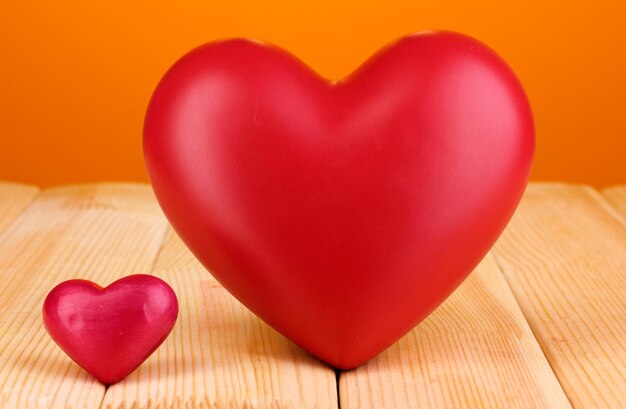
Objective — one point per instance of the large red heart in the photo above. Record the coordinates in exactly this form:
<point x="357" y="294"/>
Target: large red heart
<point x="342" y="213"/>
<point x="110" y="331"/>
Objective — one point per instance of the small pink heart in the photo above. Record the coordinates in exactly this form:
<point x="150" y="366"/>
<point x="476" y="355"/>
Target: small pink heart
<point x="110" y="331"/>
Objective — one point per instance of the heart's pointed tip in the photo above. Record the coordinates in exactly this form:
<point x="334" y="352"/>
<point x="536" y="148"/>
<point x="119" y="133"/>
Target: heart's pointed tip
<point x="344" y="364"/>
<point x="345" y="368"/>
<point x="108" y="379"/>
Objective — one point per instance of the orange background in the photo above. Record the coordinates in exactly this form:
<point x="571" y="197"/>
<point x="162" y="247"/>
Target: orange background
<point x="75" y="76"/>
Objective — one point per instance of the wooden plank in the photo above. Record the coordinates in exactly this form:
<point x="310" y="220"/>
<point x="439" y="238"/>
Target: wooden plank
<point x="564" y="256"/>
<point x="13" y="200"/>
<point x="616" y="196"/>
<point x="475" y="351"/>
<point x="97" y="232"/>
<point x="219" y="354"/>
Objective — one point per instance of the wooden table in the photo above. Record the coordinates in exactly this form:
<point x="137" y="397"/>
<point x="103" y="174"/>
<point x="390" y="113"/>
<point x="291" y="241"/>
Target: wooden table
<point x="541" y="323"/>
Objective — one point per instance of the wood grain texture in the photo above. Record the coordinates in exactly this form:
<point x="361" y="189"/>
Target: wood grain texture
<point x="97" y="232"/>
<point x="219" y="354"/>
<point x="564" y="256"/>
<point x="475" y="351"/>
<point x="616" y="196"/>
<point x="14" y="198"/>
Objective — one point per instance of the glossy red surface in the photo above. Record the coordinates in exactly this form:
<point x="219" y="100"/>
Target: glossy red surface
<point x="340" y="213"/>
<point x="111" y="331"/>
